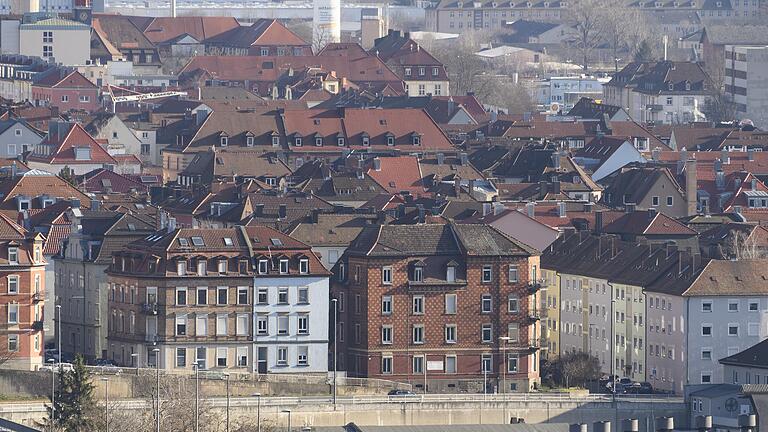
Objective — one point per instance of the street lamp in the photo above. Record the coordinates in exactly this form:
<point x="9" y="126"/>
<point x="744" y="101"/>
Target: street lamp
<point x="157" y="386"/>
<point x="135" y="359"/>
<point x="258" y="411"/>
<point x="226" y="376"/>
<point x="106" y="404"/>
<point x="335" y="336"/>
<point x="53" y="389"/>
<point x="58" y="331"/>
<point x="196" y="366"/>
<point x="289" y="418"/>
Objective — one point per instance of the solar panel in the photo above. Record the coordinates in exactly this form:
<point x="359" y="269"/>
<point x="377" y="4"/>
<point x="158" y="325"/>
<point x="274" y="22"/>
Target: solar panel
<point x="198" y="241"/>
<point x="147" y="179"/>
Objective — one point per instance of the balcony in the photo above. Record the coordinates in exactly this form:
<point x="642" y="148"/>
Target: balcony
<point x="534" y="315"/>
<point x="535" y="286"/>
<point x="37" y="325"/>
<point x="37" y="297"/>
<point x="149" y="308"/>
<point x="534" y="345"/>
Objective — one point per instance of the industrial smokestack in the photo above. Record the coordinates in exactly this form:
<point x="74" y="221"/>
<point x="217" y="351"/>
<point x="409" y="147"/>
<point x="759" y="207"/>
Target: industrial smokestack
<point x="173" y="8"/>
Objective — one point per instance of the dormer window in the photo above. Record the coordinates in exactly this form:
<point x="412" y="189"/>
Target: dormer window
<point x="688" y="85"/>
<point x="304" y="265"/>
<point x="181" y="268"/>
<point x="416" y="139"/>
<point x="450" y="272"/>
<point x="719" y="4"/>
<point x="671" y="86"/>
<point x="263" y="266"/>
<point x="407" y="71"/>
<point x="297" y="141"/>
<point x="82" y="153"/>
<point x="366" y="140"/>
<point x="223" y="140"/>
<point x="283" y="265"/>
<point x="202" y="267"/>
<point x="318" y="141"/>
<point x="24" y="203"/>
<point x="340" y="141"/>
<point x="13" y="255"/>
<point x="422" y="71"/>
<point x="435" y="71"/>
<point x="418" y="272"/>
<point x="249" y="141"/>
<point x="222" y="266"/>
<point x="390" y="139"/>
<point x="460" y="4"/>
<point x="546" y="4"/>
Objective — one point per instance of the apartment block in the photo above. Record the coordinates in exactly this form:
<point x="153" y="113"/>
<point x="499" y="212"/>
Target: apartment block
<point x="440" y="305"/>
<point x="746" y="81"/>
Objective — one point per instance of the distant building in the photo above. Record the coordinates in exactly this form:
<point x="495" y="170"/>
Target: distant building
<point x="746" y="81"/>
<point x="564" y="92"/>
<point x="423" y="74"/>
<point x="65" y="41"/>
<point x="452" y="16"/>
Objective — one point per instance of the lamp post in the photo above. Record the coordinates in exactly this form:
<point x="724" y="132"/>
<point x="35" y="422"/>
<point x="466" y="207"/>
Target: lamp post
<point x="157" y="386"/>
<point x="226" y="376"/>
<point x="196" y="366"/>
<point x="135" y="359"/>
<point x="58" y="331"/>
<point x="258" y="411"/>
<point x="289" y="419"/>
<point x="335" y="336"/>
<point x="505" y="340"/>
<point x="106" y="404"/>
<point x="53" y="390"/>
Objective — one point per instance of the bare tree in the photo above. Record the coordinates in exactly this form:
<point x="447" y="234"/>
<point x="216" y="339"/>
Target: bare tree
<point x="587" y="18"/>
<point x="740" y="245"/>
<point x="623" y="39"/>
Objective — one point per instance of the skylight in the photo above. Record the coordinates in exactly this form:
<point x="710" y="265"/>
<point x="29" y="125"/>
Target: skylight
<point x="183" y="242"/>
<point x="228" y="241"/>
<point x="198" y="241"/>
<point x="276" y="242"/>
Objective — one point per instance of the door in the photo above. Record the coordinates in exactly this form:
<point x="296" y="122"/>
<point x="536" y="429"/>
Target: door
<point x="262" y="364"/>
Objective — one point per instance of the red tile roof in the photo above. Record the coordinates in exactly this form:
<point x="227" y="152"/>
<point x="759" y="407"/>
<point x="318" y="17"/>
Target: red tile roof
<point x="264" y="32"/>
<point x="63" y="151"/>
<point x="397" y="174"/>
<point x="162" y="29"/>
<point x="106" y="181"/>
<point x="60" y="77"/>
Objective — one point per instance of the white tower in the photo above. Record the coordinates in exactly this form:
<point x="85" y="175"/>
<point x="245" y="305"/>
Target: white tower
<point x="326" y="25"/>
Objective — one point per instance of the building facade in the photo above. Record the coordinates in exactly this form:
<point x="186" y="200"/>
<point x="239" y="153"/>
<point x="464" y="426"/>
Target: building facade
<point x="746" y="81"/>
<point x="446" y="306"/>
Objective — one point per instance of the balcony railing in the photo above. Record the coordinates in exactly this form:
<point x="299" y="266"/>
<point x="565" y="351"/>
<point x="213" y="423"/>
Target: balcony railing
<point x="149" y="308"/>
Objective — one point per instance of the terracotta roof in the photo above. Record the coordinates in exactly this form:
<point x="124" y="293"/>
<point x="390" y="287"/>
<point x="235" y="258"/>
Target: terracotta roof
<point x="10" y="230"/>
<point x="34" y="184"/>
<point x="162" y="29"/>
<point x="121" y="32"/>
<point x="106" y="181"/>
<point x="263" y="32"/>
<point x="633" y="129"/>
<point x="731" y="278"/>
<point x="648" y="223"/>
<point x="228" y="163"/>
<point x="469" y="102"/>
<point x="399" y="174"/>
<point x="63" y="77"/>
<point x="62" y="148"/>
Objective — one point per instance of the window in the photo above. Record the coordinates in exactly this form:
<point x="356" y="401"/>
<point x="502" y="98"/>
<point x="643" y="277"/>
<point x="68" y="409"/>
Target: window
<point x="181" y="325"/>
<point x="422" y="71"/>
<point x="242" y="295"/>
<point x="486" y="303"/>
<point x="13" y="343"/>
<point x="513" y="274"/>
<point x="85" y="98"/>
<point x="181" y="296"/>
<point x="262" y="325"/>
<point x="513" y="332"/>
<point x="450" y="333"/>
<point x="418" y="304"/>
<point x="418" y="364"/>
<point x="733" y="329"/>
<point x="706" y="305"/>
<point x="304" y="266"/>
<point x="450" y="273"/>
<point x="486" y="363"/>
<point x="386" y="364"/>
<point x="386" y="275"/>
<point x="282" y="324"/>
<point x="303" y="324"/>
<point x="302" y="356"/>
<point x="390" y="140"/>
<point x="733" y="306"/>
<point x="450" y="364"/>
<point x="264" y="51"/>
<point x="13" y="284"/>
<point x="282" y="295"/>
<point x="407" y="71"/>
<point x="435" y="71"/>
<point x="670" y="201"/>
<point x="298" y="141"/>
<point x="284" y="266"/>
<point x="201" y="325"/>
<point x="303" y="295"/>
<point x="655" y="201"/>
<point x="48" y="52"/>
<point x="222" y="295"/>
<point x="241" y="325"/>
<point x="386" y="305"/>
<point x="319" y="141"/>
<point x="64" y="98"/>
<point x="706" y="377"/>
<point x="242" y="356"/>
<point x="513" y="304"/>
<point x="706" y="329"/>
<point x="221" y="357"/>
<point x="181" y="268"/>
<point x="418" y="333"/>
<point x="13" y="255"/>
<point x="706" y="353"/>
<point x="222" y="266"/>
<point x="487" y="333"/>
<point x="754" y="306"/>
<point x="263" y="295"/>
<point x="450" y="304"/>
<point x="487" y="273"/>
<point x="282" y="356"/>
<point x="263" y="266"/>
<point x="386" y="334"/>
<point x="422" y="90"/>
<point x="512" y="360"/>
<point x="181" y="357"/>
<point x="202" y="295"/>
<point x="47" y="37"/>
<point x="221" y="325"/>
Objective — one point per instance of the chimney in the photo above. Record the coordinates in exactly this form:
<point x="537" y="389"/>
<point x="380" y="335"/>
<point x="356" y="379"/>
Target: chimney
<point x="691" y="186"/>
<point x="747" y="422"/>
<point x="74" y="203"/>
<point x="656" y="154"/>
<point x="556" y="187"/>
<point x="556" y="160"/>
<point x="498" y="208"/>
<point x="360" y="174"/>
<point x="720" y="180"/>
<point x="665" y="424"/>
<point x="601" y="426"/>
<point x="629" y="207"/>
<point x="173" y="8"/>
<point x="282" y="211"/>
<point x="630" y="425"/>
<point x="457" y="186"/>
<point x="171" y="225"/>
<point x="577" y="427"/>
<point x="381" y="217"/>
<point x="737" y="209"/>
<point x="598" y="222"/>
<point x="530" y="209"/>
<point x="736" y="183"/>
<point x="486" y="209"/>
<point x="703" y="423"/>
<point x="542" y="190"/>
<point x="376" y="164"/>
<point x="440" y="158"/>
<point x="420" y="208"/>
<point x="95" y="204"/>
<point x="561" y="209"/>
<point x="725" y="157"/>
<point x="751" y="155"/>
<point x="259" y="210"/>
<point x="14" y="170"/>
<point x="400" y="210"/>
<point x="463" y="158"/>
<point x="471" y="187"/>
<point x="718" y="165"/>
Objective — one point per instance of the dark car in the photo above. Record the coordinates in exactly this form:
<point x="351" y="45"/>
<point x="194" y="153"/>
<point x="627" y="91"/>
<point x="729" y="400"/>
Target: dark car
<point x="398" y="392"/>
<point x="105" y="362"/>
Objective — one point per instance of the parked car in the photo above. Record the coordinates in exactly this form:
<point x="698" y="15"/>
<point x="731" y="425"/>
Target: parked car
<point x="66" y="367"/>
<point x="105" y="362"/>
<point x="398" y="392"/>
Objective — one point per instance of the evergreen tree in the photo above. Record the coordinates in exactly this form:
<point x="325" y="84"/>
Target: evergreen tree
<point x="74" y="404"/>
<point x="68" y="175"/>
<point x="644" y="52"/>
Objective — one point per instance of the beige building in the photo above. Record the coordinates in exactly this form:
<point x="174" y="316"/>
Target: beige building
<point x="452" y="16"/>
<point x="56" y="39"/>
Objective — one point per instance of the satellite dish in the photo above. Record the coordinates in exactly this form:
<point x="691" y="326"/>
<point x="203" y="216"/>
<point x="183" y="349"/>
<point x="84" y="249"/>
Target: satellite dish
<point x="555" y="107"/>
<point x="731" y="405"/>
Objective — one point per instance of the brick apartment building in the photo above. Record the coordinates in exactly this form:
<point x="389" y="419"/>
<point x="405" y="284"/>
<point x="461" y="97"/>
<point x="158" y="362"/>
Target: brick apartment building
<point x="190" y="294"/>
<point x="449" y="300"/>
<point x="22" y="294"/>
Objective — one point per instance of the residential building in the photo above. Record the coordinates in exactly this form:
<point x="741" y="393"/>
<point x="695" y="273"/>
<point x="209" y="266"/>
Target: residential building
<point x="664" y="92"/>
<point x="450" y="16"/>
<point x="81" y="281"/>
<point x="452" y="302"/>
<point x="117" y="37"/>
<point x="746" y="71"/>
<point x="17" y="137"/>
<point x="57" y="39"/>
<point x="422" y="73"/>
<point x="749" y="366"/>
<point x="65" y="89"/>
<point x="265" y="37"/>
<point x="604" y="155"/>
<point x="564" y="92"/>
<point x="118" y="137"/>
<point x="247" y="298"/>
<point x="22" y="275"/>
<point x="649" y="186"/>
